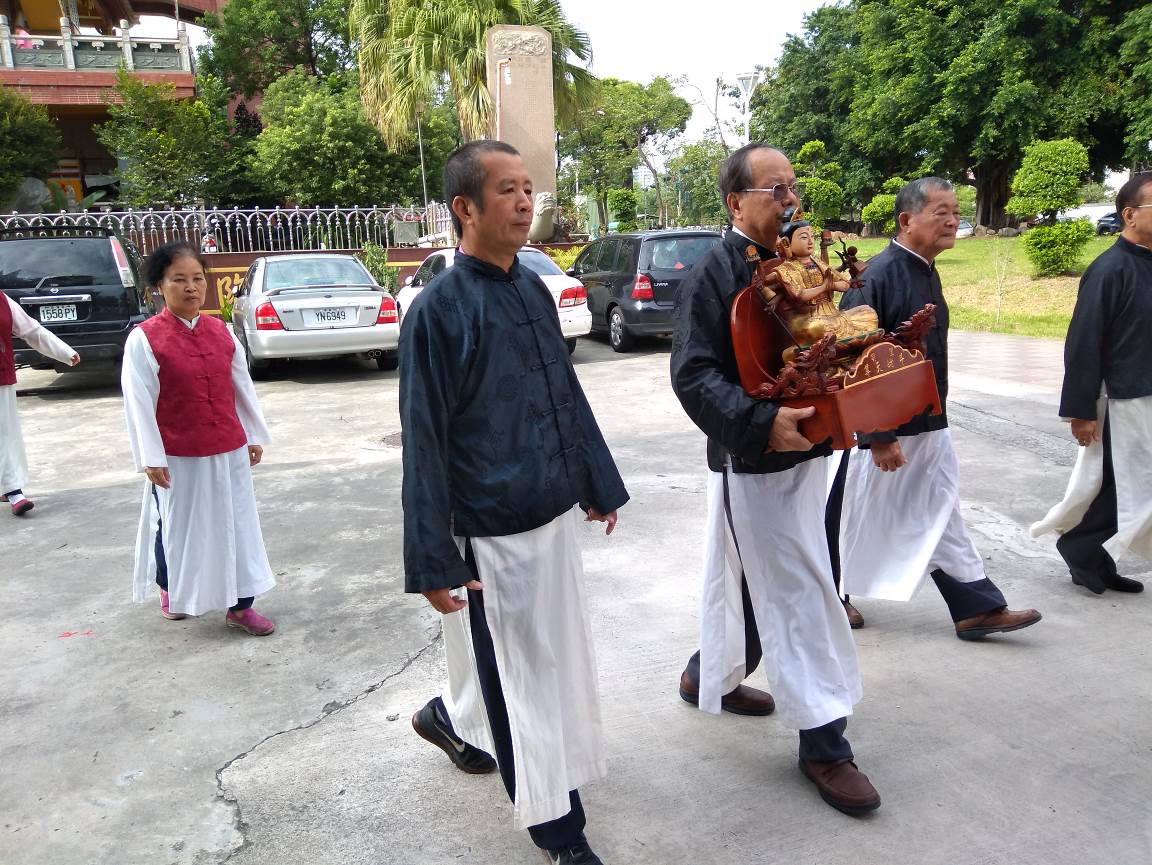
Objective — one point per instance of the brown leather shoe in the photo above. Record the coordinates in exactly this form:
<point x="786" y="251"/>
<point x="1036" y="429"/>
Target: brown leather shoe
<point x="742" y="700"/>
<point x="855" y="620"/>
<point x="842" y="785"/>
<point x="1003" y="619"/>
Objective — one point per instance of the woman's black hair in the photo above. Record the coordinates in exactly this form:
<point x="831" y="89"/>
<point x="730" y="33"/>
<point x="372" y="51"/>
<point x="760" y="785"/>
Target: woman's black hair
<point x="161" y="259"/>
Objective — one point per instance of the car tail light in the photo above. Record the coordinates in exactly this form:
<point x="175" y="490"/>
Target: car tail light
<point x="267" y="319"/>
<point x="127" y="278"/>
<point x="642" y="290"/>
<point x="388" y="314"/>
<point x="574" y="296"/>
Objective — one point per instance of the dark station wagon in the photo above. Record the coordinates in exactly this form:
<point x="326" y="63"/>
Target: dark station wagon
<point x="83" y="284"/>
<point x="632" y="280"/>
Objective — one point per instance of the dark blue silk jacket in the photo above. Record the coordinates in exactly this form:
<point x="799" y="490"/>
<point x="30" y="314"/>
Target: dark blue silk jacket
<point x="498" y="435"/>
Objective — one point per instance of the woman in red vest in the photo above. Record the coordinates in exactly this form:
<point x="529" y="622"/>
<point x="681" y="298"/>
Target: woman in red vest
<point x="196" y="431"/>
<point x="13" y="466"/>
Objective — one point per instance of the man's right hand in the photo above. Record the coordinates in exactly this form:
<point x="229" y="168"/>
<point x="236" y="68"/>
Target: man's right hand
<point x="446" y="602"/>
<point x="785" y="430"/>
<point x="888" y="456"/>
<point x="1085" y="432"/>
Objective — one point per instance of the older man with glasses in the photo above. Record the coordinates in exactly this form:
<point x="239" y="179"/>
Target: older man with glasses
<point x="768" y="590"/>
<point x="1107" y="398"/>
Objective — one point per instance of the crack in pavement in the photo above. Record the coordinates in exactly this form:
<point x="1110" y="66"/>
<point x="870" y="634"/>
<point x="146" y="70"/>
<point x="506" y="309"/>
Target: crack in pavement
<point x="327" y="711"/>
<point x="1052" y="448"/>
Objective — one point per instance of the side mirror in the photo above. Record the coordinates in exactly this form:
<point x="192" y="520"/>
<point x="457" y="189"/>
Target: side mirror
<point x="407" y="281"/>
<point x="570" y="271"/>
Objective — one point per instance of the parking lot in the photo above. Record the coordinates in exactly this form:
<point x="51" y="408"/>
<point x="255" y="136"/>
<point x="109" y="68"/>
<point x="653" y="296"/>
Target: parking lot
<point x="126" y="738"/>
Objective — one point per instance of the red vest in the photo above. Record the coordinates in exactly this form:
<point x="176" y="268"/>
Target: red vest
<point x="7" y="358"/>
<point x="196" y="410"/>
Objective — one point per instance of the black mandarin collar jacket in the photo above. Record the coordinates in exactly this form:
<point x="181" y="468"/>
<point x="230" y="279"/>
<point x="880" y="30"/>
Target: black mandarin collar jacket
<point x="498" y="436"/>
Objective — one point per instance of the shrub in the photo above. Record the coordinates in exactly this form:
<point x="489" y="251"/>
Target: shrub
<point x="564" y="258"/>
<point x="622" y="203"/>
<point x="879" y="213"/>
<point x="1049" y="178"/>
<point x="1055" y="249"/>
<point x="375" y="258"/>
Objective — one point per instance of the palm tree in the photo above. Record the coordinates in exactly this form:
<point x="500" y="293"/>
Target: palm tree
<point x="411" y="50"/>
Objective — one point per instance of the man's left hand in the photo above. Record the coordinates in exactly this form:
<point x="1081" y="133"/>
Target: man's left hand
<point x="595" y="516"/>
<point x="255" y="454"/>
<point x="75" y="360"/>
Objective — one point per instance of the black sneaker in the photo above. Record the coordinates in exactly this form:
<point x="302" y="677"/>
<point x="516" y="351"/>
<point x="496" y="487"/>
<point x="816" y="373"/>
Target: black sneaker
<point x="576" y="854"/>
<point x="432" y="724"/>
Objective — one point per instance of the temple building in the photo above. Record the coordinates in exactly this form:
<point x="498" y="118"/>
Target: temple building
<point x="64" y="54"/>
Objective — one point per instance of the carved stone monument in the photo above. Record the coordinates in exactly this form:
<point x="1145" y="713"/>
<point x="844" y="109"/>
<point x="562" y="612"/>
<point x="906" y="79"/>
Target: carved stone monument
<point x="519" y="65"/>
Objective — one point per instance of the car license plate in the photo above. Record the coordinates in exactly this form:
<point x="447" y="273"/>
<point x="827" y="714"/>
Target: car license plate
<point x="63" y="312"/>
<point x="333" y="315"/>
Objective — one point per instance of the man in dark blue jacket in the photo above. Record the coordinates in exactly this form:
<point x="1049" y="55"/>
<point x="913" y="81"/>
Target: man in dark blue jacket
<point x="500" y="452"/>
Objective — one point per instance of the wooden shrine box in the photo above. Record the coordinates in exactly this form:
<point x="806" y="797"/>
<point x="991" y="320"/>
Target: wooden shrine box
<point x="888" y="386"/>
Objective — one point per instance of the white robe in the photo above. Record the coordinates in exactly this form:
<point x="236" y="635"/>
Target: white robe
<point x="1130" y="434"/>
<point x="537" y="611"/>
<point x="212" y="540"/>
<point x="809" y="656"/>
<point x="13" y="462"/>
<point x="897" y="527"/>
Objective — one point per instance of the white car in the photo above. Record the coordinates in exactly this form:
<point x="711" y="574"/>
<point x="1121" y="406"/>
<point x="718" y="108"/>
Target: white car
<point x="313" y="305"/>
<point x="567" y="291"/>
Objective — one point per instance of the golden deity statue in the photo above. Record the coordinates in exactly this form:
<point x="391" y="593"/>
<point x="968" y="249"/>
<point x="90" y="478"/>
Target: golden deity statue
<point x="809" y="286"/>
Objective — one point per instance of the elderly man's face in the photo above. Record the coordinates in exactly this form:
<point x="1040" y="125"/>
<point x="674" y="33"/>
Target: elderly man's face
<point x="933" y="229"/>
<point x="758" y="214"/>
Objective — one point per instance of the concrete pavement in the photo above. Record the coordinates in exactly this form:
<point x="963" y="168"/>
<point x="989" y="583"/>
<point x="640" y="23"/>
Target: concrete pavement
<point x="126" y="738"/>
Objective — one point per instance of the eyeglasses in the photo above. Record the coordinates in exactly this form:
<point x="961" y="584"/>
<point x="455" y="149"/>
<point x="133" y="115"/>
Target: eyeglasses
<point x="779" y="191"/>
<point x="1133" y="206"/>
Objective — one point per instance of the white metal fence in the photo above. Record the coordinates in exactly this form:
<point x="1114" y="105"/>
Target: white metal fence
<point x="261" y="229"/>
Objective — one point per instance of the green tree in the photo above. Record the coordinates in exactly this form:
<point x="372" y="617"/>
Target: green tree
<point x="409" y="51"/>
<point x="170" y="145"/>
<point x="1095" y="192"/>
<point x="29" y="140"/>
<point x="254" y="42"/>
<point x="822" y="195"/>
<point x="319" y="148"/>
<point x="622" y="205"/>
<point x="1049" y="178"/>
<point x="626" y="125"/>
<point x="1136" y="59"/>
<point x="694" y="175"/>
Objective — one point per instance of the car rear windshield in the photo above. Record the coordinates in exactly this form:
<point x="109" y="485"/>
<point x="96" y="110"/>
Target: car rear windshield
<point x="538" y="263"/>
<point x="675" y="253"/>
<point x="59" y="262"/>
<point x="296" y="272"/>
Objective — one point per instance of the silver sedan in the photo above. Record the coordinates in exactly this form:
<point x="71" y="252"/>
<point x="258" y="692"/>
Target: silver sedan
<point x="313" y="305"/>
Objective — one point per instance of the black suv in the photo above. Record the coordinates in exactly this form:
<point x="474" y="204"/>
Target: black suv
<point x="1109" y="223"/>
<point x="632" y="280"/>
<point x="82" y="283"/>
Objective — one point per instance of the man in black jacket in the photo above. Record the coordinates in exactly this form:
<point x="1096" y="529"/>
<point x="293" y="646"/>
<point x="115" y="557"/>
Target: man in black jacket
<point x="500" y="447"/>
<point x="1107" y="397"/>
<point x="767" y="578"/>
<point x="901" y="500"/>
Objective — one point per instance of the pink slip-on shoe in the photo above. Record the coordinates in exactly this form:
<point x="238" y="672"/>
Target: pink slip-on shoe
<point x="164" y="611"/>
<point x="20" y="505"/>
<point x="251" y="621"/>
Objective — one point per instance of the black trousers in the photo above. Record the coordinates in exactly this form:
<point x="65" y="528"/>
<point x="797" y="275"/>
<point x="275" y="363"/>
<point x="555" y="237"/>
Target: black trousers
<point x="555" y="834"/>
<point x="1083" y="547"/>
<point x="964" y="600"/>
<point x="162" y="560"/>
<point x="819" y="743"/>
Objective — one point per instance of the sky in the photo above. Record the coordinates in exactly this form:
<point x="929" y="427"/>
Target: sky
<point x="640" y="39"/>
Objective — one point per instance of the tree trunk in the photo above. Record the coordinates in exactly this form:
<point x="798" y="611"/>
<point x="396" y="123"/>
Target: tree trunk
<point x="992" y="192"/>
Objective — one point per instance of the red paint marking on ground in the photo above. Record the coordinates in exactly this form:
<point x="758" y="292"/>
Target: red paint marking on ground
<point x="88" y="633"/>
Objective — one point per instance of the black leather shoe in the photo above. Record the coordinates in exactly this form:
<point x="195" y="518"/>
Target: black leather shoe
<point x="432" y="724"/>
<point x="1117" y="583"/>
<point x="741" y="700"/>
<point x="1092" y="582"/>
<point x="576" y="854"/>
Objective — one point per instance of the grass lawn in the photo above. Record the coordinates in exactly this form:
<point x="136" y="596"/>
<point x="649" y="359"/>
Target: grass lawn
<point x="989" y="286"/>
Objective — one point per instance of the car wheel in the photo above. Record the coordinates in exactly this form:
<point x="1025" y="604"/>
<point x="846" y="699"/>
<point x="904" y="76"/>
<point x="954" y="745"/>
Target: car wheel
<point x="388" y="360"/>
<point x="258" y="369"/>
<point x="571" y="344"/>
<point x="619" y="337"/>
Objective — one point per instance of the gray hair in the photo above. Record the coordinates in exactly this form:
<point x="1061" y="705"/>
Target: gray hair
<point x="914" y="195"/>
<point x="735" y="172"/>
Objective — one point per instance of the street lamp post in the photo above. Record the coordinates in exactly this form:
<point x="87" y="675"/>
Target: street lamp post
<point x="748" y="82"/>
